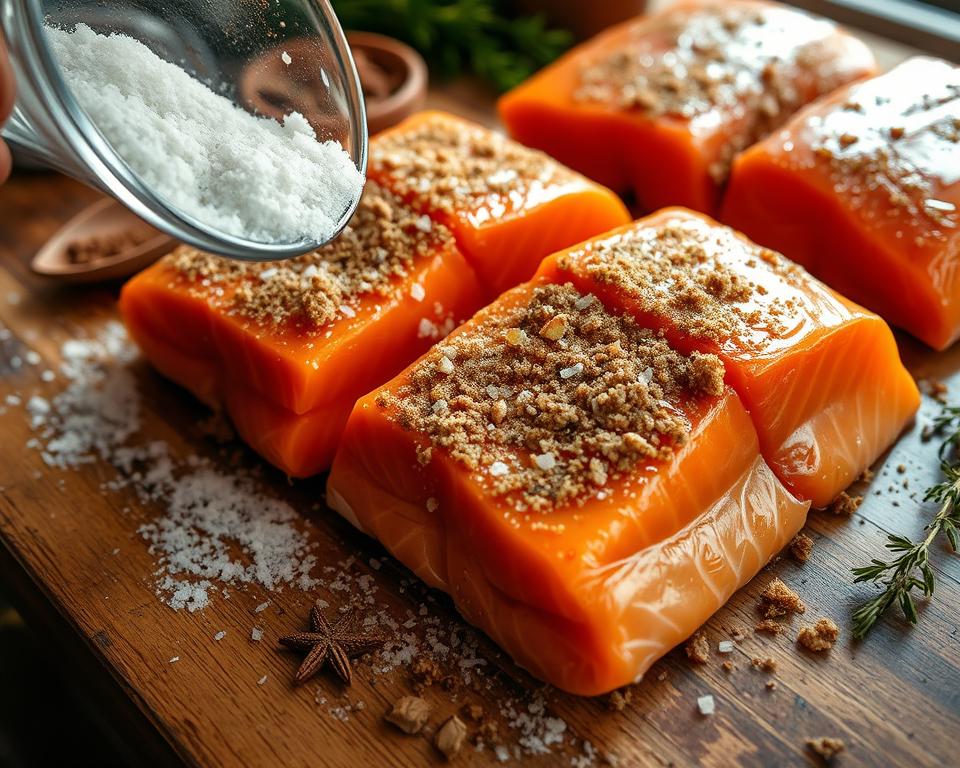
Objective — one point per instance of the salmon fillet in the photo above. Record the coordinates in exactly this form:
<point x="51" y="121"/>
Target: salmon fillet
<point x="285" y="349"/>
<point x="820" y="376"/>
<point x="877" y="167"/>
<point x="508" y="206"/>
<point x="660" y="105"/>
<point x="586" y="494"/>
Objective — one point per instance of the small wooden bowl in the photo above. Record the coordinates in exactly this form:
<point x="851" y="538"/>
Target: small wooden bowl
<point x="102" y="220"/>
<point x="393" y="77"/>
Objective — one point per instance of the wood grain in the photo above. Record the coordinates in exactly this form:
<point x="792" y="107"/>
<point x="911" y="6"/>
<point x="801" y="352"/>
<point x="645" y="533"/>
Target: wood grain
<point x="894" y="699"/>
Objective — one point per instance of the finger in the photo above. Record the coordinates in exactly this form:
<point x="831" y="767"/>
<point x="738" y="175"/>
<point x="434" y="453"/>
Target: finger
<point x="7" y="85"/>
<point x="5" y="162"/>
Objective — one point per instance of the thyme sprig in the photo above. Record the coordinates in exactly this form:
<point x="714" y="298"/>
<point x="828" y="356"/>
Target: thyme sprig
<point x="910" y="570"/>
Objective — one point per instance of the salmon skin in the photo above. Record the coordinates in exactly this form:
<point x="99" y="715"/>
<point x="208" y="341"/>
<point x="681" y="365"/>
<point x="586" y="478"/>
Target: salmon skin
<point x="508" y="206"/>
<point x="285" y="349"/>
<point x="586" y="552"/>
<point x="877" y="167"/>
<point x="659" y="105"/>
<point x="820" y="376"/>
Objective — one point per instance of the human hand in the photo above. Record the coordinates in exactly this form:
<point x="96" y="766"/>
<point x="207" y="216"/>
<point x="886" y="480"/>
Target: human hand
<point x="6" y="106"/>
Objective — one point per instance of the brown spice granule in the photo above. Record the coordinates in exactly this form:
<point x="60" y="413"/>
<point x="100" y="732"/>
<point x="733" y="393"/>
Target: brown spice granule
<point x="819" y="637"/>
<point x="100" y="247"/>
<point x="451" y="165"/>
<point x="689" y="63"/>
<point x="425" y="672"/>
<point x="769" y="626"/>
<point x="771" y="685"/>
<point x="800" y="547"/>
<point x="777" y="599"/>
<point x="451" y="736"/>
<point x="844" y="505"/>
<point x="698" y="648"/>
<point x="826" y="747"/>
<point x="692" y="273"/>
<point x="409" y="714"/>
<point x="473" y="712"/>
<point x="618" y="700"/>
<point x="378" y="248"/>
<point x="580" y="411"/>
<point x="767" y="664"/>
<point x="727" y="666"/>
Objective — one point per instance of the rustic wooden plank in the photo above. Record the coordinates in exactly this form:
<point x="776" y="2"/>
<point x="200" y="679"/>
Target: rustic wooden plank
<point x="893" y="699"/>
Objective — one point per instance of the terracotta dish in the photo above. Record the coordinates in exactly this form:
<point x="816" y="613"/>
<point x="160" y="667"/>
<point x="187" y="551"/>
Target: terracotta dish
<point x="104" y="241"/>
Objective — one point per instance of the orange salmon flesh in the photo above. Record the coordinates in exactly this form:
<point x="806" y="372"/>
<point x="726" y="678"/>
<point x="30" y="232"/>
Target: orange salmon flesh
<point x="658" y="106"/>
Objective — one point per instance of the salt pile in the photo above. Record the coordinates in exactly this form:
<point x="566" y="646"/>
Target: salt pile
<point x="245" y="175"/>
<point x="215" y="528"/>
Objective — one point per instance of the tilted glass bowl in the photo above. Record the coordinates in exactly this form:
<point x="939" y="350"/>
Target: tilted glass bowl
<point x="232" y="46"/>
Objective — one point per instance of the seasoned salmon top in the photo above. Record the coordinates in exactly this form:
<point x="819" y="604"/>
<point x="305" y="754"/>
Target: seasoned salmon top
<point x="708" y="282"/>
<point x="891" y="147"/>
<point x="376" y="250"/>
<point x="552" y="396"/>
<point x="454" y="166"/>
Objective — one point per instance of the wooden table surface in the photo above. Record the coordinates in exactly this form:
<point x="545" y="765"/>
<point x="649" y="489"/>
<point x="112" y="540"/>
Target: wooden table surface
<point x="893" y="699"/>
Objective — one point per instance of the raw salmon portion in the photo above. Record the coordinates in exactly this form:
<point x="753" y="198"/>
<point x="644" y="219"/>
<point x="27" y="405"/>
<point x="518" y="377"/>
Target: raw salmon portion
<point x="820" y="376"/>
<point x="877" y="167"/>
<point x="586" y="494"/>
<point x="507" y="206"/>
<point x="287" y="348"/>
<point x="660" y="105"/>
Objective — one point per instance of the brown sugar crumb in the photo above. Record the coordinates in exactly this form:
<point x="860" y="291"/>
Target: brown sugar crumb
<point x="847" y="140"/>
<point x="618" y="700"/>
<point x="452" y="165"/>
<point x="771" y="685"/>
<point x="826" y="747"/>
<point x="800" y="547"/>
<point x="769" y="627"/>
<point x="819" y="637"/>
<point x="767" y="664"/>
<point x="450" y="737"/>
<point x="777" y="599"/>
<point x="549" y="422"/>
<point x="409" y="714"/>
<point x="706" y="60"/>
<point x="425" y="672"/>
<point x="377" y="249"/>
<point x="682" y="270"/>
<point x="737" y="635"/>
<point x="100" y="247"/>
<point x="698" y="648"/>
<point x="473" y="712"/>
<point x="727" y="666"/>
<point x="844" y="505"/>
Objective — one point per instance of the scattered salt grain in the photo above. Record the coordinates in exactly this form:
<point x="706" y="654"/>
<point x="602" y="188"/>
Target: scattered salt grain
<point x="445" y="365"/>
<point x="545" y="461"/>
<point x="256" y="634"/>
<point x="432" y="505"/>
<point x="499" y="469"/>
<point x="574" y="370"/>
<point x="262" y="607"/>
<point x="417" y="292"/>
<point x="285" y="58"/>
<point x="706" y="705"/>
<point x="220" y="635"/>
<point x="725" y="646"/>
<point x="246" y="175"/>
<point x="424" y="224"/>
<point x="32" y="357"/>
<point x="174" y="660"/>
<point x="47" y="376"/>
<point x="262" y="680"/>
<point x="269" y="274"/>
<point x="584" y="301"/>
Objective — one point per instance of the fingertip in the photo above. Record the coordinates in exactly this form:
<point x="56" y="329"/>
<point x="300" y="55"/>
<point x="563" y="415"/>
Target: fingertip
<point x="6" y="162"/>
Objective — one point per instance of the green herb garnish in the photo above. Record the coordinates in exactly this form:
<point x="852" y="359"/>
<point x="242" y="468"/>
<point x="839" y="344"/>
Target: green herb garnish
<point x="911" y="570"/>
<point x="458" y="36"/>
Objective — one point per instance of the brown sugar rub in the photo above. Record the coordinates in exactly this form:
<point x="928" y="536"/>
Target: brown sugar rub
<point x="677" y="270"/>
<point x="777" y="599"/>
<point x="455" y="166"/>
<point x="698" y="648"/>
<point x="800" y="547"/>
<point x="553" y="398"/>
<point x="379" y="247"/>
<point x="714" y="59"/>
<point x="819" y="637"/>
<point x="845" y="505"/>
<point x="826" y="747"/>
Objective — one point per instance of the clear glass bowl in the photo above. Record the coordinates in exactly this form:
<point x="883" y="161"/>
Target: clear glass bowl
<point x="235" y="46"/>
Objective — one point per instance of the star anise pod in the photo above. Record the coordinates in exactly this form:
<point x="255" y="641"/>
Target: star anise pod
<point x="334" y="643"/>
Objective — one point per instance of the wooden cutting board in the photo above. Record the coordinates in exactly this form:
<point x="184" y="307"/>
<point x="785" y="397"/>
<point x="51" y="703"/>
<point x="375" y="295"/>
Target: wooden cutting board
<point x="80" y="572"/>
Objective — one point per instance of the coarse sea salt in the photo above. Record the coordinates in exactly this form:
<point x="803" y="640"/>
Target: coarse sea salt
<point x="239" y="173"/>
<point x="706" y="705"/>
<point x="213" y="528"/>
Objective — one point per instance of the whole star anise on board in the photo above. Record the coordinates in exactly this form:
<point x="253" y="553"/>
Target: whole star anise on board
<point x="335" y="643"/>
